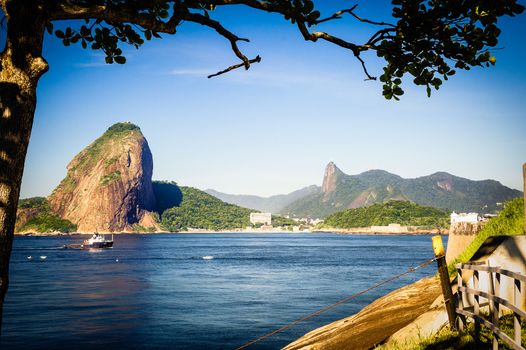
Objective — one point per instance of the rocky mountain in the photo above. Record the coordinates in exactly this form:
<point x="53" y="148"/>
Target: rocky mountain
<point x="108" y="186"/>
<point x="273" y="204"/>
<point x="340" y="191"/>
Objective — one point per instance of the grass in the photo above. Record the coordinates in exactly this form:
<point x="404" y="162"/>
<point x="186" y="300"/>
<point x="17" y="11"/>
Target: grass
<point x="449" y="339"/>
<point x="142" y="229"/>
<point x="509" y="222"/>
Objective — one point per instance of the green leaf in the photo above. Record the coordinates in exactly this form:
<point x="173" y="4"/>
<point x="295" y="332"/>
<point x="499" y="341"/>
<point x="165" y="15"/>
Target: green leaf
<point x="59" y="34"/>
<point x="120" y="59"/>
<point x="109" y="59"/>
<point x="148" y="34"/>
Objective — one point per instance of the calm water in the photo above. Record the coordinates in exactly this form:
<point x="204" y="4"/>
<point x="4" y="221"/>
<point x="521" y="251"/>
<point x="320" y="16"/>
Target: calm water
<point x="161" y="294"/>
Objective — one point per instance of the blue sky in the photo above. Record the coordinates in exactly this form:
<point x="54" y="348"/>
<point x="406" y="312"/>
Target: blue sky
<point x="273" y="129"/>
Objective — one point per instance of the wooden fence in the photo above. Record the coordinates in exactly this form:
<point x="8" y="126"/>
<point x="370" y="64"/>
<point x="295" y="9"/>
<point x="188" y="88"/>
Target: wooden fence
<point x="494" y="298"/>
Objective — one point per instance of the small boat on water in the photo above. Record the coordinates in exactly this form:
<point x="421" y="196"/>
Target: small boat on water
<point x="98" y="241"/>
<point x="208" y="257"/>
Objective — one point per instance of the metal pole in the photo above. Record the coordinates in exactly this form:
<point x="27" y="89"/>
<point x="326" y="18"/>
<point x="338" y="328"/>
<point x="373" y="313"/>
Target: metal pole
<point x="440" y="256"/>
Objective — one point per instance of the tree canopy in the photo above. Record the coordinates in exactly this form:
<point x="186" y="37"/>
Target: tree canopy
<point x="426" y="41"/>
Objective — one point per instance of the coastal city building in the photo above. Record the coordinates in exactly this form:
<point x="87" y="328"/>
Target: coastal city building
<point x="464" y="217"/>
<point x="261" y="218"/>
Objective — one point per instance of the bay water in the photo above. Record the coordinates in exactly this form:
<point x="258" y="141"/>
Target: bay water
<point x="159" y="292"/>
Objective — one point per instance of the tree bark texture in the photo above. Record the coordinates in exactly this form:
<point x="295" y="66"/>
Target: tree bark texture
<point x="21" y="67"/>
<point x="524" y="192"/>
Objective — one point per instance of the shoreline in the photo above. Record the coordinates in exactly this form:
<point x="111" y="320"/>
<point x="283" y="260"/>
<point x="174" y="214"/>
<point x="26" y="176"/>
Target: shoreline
<point x="411" y="230"/>
<point x="354" y="231"/>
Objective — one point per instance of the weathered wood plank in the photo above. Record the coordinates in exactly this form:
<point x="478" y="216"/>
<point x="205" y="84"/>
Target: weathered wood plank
<point x="496" y="330"/>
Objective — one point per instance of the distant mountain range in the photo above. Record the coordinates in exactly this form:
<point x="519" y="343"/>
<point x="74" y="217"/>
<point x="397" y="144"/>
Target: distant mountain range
<point x="340" y="191"/>
<point x="273" y="204"/>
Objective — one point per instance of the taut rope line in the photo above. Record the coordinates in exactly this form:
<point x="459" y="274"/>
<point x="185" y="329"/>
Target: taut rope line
<point x="288" y="325"/>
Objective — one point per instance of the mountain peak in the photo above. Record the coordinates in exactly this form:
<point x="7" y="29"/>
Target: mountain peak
<point x="330" y="177"/>
<point x="108" y="186"/>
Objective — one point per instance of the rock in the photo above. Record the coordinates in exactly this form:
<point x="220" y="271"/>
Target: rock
<point x="374" y="323"/>
<point x="108" y="186"/>
<point x="330" y="178"/>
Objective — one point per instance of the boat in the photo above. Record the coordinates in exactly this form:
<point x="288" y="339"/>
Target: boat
<point x="98" y="241"/>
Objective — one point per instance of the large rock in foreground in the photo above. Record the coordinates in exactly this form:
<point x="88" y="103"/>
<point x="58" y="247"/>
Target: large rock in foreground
<point x="108" y="186"/>
<point x="374" y="323"/>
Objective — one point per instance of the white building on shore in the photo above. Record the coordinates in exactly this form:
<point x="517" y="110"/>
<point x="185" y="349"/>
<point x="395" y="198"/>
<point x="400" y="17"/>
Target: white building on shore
<point x="261" y="218"/>
<point x="464" y="217"/>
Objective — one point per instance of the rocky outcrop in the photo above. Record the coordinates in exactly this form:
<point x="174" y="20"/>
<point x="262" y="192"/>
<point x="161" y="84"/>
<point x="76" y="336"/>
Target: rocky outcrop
<point x="108" y="186"/>
<point x="374" y="323"/>
<point x="330" y="178"/>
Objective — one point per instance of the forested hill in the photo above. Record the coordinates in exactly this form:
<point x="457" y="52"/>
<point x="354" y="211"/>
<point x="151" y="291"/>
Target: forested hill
<point x="340" y="191"/>
<point x="200" y="210"/>
<point x="404" y="213"/>
<point x="183" y="208"/>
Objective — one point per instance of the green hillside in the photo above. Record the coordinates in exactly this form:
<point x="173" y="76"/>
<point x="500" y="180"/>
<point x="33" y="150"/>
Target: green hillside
<point x="381" y="214"/>
<point x="509" y="222"/>
<point x="182" y="208"/>
<point x="41" y="218"/>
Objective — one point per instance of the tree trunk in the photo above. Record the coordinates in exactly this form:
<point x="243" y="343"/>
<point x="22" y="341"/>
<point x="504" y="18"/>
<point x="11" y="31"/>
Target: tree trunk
<point x="524" y="193"/>
<point x="21" y="67"/>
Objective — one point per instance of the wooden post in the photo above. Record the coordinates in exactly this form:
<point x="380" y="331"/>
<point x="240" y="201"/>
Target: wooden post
<point x="460" y="302"/>
<point x="496" y="310"/>
<point x="517" y="298"/>
<point x="476" y="305"/>
<point x="440" y="256"/>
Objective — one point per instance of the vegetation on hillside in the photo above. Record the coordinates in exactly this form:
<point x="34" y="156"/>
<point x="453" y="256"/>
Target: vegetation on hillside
<point x="381" y="214"/>
<point x="45" y="220"/>
<point x="439" y="190"/>
<point x="509" y="222"/>
<point x="282" y="221"/>
<point x="48" y="222"/>
<point x="33" y="203"/>
<point x="183" y="208"/>
<point x="199" y="210"/>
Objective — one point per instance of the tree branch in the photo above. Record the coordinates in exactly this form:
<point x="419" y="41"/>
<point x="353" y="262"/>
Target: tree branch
<point x="181" y="12"/>
<point x="236" y="66"/>
<point x="206" y="21"/>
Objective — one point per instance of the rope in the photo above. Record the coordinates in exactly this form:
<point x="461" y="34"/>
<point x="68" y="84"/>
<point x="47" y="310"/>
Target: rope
<point x="412" y="269"/>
